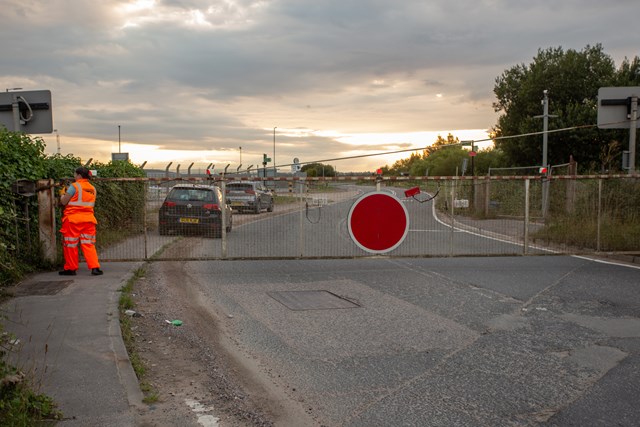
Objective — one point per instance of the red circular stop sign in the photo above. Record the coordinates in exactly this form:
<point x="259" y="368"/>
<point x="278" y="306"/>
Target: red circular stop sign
<point x="378" y="222"/>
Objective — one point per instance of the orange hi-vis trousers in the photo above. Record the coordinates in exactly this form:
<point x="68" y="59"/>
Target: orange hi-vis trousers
<point x="84" y="234"/>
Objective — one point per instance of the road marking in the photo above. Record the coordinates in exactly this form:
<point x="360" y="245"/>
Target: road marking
<point x="455" y="230"/>
<point x="204" y="420"/>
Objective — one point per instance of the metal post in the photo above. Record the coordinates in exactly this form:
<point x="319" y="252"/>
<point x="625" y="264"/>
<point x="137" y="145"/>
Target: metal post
<point x="144" y="222"/>
<point x="15" y="106"/>
<point x="301" y="227"/>
<point x="632" y="134"/>
<point x="526" y="217"/>
<point x="223" y="237"/>
<point x="599" y="215"/>
<point x="57" y="140"/>
<point x="545" y="127"/>
<point x="453" y="198"/>
<point x="119" y="139"/>
<point x="47" y="218"/>
<point x="274" y="152"/>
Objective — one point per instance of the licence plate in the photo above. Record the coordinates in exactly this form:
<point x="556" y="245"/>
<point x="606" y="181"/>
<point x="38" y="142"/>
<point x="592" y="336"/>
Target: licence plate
<point x="237" y="203"/>
<point x="189" y="220"/>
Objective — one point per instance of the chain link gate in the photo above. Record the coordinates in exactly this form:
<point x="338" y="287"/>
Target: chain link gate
<point x="450" y="216"/>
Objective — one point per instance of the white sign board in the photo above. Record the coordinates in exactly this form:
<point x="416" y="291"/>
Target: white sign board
<point x="26" y="111"/>
<point x="614" y="107"/>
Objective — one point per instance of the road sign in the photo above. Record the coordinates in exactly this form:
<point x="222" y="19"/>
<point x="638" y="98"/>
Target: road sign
<point x="26" y="111"/>
<point x="378" y="222"/>
<point x="614" y="106"/>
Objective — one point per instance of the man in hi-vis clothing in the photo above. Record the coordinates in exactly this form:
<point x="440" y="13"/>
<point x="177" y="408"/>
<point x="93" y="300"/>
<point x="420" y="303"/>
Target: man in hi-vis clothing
<point x="79" y="224"/>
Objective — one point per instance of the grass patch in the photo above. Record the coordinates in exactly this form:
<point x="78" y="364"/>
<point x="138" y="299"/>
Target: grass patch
<point x="286" y="199"/>
<point x="20" y="402"/>
<point x="126" y="325"/>
<point x="583" y="233"/>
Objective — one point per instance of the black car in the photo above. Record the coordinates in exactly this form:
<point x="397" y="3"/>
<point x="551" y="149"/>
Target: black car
<point x="194" y="208"/>
<point x="249" y="196"/>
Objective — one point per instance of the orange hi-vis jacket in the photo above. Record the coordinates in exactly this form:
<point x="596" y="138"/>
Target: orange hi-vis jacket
<point x="80" y="206"/>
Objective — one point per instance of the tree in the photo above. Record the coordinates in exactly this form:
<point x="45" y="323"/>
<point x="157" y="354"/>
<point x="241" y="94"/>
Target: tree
<point x="416" y="164"/>
<point x="318" y="169"/>
<point x="572" y="80"/>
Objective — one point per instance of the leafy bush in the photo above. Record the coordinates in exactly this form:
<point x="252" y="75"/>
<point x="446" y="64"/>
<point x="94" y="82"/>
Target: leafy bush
<point x="118" y="208"/>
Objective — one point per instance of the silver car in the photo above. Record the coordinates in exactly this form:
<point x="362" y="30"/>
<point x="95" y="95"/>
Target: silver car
<point x="249" y="196"/>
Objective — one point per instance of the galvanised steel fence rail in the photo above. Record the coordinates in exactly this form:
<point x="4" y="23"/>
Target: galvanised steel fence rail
<point x="447" y="216"/>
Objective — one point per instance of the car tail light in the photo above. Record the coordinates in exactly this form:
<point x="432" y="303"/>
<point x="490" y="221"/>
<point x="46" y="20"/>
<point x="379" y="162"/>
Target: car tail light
<point x="169" y="204"/>
<point x="249" y="191"/>
<point x="211" y="207"/>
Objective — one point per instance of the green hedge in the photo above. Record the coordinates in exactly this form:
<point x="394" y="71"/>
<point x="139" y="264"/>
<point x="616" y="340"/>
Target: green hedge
<point x="23" y="157"/>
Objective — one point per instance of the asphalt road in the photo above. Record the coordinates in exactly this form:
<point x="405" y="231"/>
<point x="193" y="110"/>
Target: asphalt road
<point x="321" y="231"/>
<point x="442" y="341"/>
<point x="550" y="340"/>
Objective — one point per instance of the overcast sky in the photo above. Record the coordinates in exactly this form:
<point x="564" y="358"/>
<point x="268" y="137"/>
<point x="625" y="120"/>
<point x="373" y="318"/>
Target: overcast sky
<point x="195" y="80"/>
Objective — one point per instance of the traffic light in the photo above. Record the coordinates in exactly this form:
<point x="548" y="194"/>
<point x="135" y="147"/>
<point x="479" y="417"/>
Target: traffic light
<point x="543" y="170"/>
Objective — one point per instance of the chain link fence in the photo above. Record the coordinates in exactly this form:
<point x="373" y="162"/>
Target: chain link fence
<point x="446" y="216"/>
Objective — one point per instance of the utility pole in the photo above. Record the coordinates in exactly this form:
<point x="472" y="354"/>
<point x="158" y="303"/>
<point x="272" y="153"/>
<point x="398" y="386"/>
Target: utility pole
<point x="545" y="126"/>
<point x="545" y="161"/>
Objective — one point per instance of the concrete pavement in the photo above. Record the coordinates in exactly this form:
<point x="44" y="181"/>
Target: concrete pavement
<point x="70" y="342"/>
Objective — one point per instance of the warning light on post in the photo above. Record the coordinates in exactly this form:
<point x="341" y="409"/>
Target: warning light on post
<point x="412" y="192"/>
<point x="379" y="171"/>
<point x="543" y="170"/>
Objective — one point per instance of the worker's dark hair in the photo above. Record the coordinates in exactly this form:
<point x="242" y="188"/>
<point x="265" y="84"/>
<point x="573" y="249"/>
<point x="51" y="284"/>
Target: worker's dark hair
<point x="84" y="172"/>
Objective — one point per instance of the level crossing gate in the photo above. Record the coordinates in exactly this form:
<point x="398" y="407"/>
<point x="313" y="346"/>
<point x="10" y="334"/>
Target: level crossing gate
<point x="446" y="216"/>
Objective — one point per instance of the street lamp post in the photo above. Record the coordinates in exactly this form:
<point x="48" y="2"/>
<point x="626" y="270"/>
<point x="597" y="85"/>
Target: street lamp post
<point x="57" y="140"/>
<point x="118" y="138"/>
<point x="274" y="151"/>
<point x="240" y="154"/>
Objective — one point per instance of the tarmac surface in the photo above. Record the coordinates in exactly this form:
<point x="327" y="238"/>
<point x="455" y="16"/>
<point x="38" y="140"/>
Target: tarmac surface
<point x="71" y="344"/>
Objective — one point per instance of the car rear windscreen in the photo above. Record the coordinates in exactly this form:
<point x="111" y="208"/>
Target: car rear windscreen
<point x="239" y="187"/>
<point x="192" y="195"/>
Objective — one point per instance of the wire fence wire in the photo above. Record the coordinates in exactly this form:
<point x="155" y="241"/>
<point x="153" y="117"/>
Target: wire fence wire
<point x="447" y="216"/>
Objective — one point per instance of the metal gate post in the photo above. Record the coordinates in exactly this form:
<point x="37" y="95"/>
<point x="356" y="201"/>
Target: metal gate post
<point x="223" y="228"/>
<point x="145" y="229"/>
<point x="47" y="218"/>
<point x="301" y="226"/>
<point x="453" y="198"/>
<point x="599" y="215"/>
<point x="526" y="217"/>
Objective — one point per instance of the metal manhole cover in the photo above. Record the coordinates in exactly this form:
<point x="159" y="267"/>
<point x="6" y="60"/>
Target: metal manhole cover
<point x="51" y="287"/>
<point x="311" y="300"/>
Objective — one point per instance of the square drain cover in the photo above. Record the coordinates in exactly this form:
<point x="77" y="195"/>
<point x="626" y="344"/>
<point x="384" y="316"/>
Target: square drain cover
<point x="42" y="288"/>
<point x="311" y="300"/>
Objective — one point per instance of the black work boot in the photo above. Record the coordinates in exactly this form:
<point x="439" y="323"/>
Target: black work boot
<point x="96" y="272"/>
<point x="67" y="273"/>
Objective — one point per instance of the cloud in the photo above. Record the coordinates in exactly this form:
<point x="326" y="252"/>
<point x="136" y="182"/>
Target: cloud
<point x="209" y="76"/>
